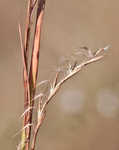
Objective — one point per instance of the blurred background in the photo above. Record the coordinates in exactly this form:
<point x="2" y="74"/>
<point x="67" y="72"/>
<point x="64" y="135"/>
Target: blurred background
<point x="85" y="113"/>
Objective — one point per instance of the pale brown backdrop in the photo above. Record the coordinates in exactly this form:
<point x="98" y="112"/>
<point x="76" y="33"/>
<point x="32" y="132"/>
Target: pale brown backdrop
<point x="85" y="113"/>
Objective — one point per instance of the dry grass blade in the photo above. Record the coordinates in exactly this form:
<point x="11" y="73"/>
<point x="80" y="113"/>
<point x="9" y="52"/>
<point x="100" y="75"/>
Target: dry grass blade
<point x="26" y="88"/>
<point x="42" y="82"/>
<point x="41" y="118"/>
<point x="26" y="126"/>
<point x="75" y="71"/>
<point x="30" y="77"/>
<point x="57" y="85"/>
<point x="30" y="72"/>
<point x="36" y="46"/>
<point x="26" y="80"/>
<point x="27" y="110"/>
<point x="28" y="28"/>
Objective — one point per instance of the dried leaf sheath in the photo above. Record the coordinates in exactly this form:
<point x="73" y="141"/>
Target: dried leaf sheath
<point x="36" y="46"/>
<point x="25" y="133"/>
<point x="28" y="28"/>
<point x="30" y="77"/>
<point x="35" y="56"/>
<point x="26" y="92"/>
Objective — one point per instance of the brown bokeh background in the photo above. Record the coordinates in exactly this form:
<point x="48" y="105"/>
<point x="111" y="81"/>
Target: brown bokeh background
<point x="85" y="113"/>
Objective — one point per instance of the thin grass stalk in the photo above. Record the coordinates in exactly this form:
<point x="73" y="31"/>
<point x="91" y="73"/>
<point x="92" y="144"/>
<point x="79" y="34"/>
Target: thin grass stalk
<point x="30" y="72"/>
<point x="25" y="133"/>
<point x="30" y="77"/>
<point x="75" y="71"/>
<point x="36" y="44"/>
<point x="35" y="54"/>
<point x="55" y="88"/>
<point x="26" y="92"/>
<point x="24" y="138"/>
